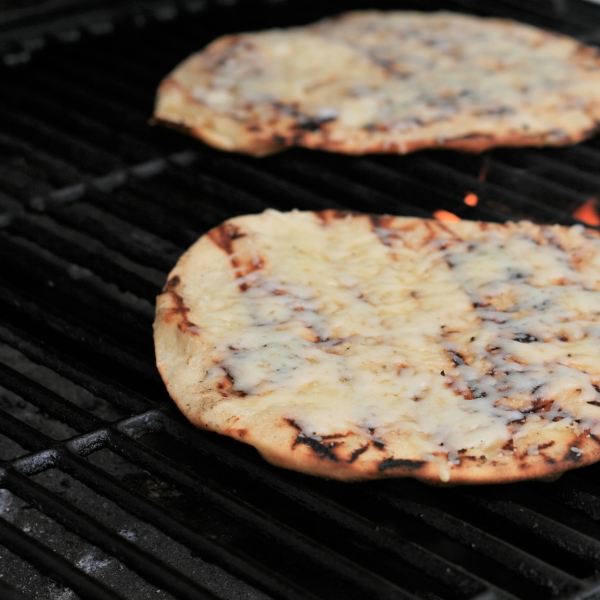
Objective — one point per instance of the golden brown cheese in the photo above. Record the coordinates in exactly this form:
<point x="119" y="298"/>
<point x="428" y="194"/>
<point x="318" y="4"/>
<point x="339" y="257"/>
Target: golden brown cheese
<point x="387" y="82"/>
<point x="356" y="347"/>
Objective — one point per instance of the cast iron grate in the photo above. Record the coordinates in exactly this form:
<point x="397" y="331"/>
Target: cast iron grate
<point x="106" y="491"/>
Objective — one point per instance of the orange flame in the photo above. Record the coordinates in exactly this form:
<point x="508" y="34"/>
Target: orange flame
<point x="471" y="199"/>
<point x="588" y="213"/>
<point x="444" y="215"/>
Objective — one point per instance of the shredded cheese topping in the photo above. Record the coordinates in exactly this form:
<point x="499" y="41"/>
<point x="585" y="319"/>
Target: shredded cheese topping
<point x="426" y="337"/>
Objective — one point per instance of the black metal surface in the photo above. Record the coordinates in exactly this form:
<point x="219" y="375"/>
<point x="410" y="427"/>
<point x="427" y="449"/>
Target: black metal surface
<point x="105" y="490"/>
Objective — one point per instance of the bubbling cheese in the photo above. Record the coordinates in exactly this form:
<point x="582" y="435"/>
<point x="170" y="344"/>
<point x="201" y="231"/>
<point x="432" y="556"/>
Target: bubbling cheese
<point x="443" y="338"/>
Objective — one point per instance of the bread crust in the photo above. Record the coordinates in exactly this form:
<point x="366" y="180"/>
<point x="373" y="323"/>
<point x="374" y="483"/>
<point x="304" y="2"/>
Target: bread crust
<point x="189" y="333"/>
<point x="263" y="92"/>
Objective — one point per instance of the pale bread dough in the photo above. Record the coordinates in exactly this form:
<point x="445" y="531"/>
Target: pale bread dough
<point x="387" y="82"/>
<point x="356" y="347"/>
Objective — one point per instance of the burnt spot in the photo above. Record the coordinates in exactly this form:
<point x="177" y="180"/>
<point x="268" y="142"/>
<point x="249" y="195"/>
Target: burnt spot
<point x="476" y="392"/>
<point x="322" y="450"/>
<point x="226" y="386"/>
<point x="312" y="123"/>
<point x="293" y="423"/>
<point x="525" y="338"/>
<point x="223" y="236"/>
<point x="400" y="463"/>
<point x="546" y="445"/>
<point x="327" y="216"/>
<point x="594" y="402"/>
<point x="541" y="406"/>
<point x="357" y="453"/>
<point x="508" y="446"/>
<point x="457" y="358"/>
<point x="378" y="445"/>
<point x="179" y="311"/>
<point x="172" y="283"/>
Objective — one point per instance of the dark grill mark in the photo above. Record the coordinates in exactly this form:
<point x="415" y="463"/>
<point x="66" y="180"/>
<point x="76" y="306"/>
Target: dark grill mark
<point x="319" y="448"/>
<point x="400" y="463"/>
<point x="546" y="445"/>
<point x="223" y="236"/>
<point x="508" y="446"/>
<point x="172" y="283"/>
<point x="457" y="358"/>
<point x="181" y="311"/>
<point x="311" y="123"/>
<point x="525" y="338"/>
<point x="293" y="424"/>
<point x="357" y="453"/>
<point x="230" y="387"/>
<point x="329" y="215"/>
<point x="594" y="402"/>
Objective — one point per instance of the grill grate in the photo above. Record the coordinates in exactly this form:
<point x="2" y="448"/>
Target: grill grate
<point x="106" y="491"/>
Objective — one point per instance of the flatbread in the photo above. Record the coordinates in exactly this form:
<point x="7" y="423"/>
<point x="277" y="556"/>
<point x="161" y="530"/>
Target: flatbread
<point x="387" y="82"/>
<point x="356" y="347"/>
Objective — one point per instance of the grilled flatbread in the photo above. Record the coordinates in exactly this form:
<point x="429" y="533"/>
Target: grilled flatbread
<point x="359" y="347"/>
<point x="387" y="82"/>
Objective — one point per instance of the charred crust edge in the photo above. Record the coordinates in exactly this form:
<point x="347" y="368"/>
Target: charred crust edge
<point x="400" y="463"/>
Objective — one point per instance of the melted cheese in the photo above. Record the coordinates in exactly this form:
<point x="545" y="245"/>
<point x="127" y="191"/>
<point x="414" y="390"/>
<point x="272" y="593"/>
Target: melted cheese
<point x="464" y="339"/>
<point x="393" y="79"/>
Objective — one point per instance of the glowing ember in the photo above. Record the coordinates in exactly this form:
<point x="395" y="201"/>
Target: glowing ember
<point x="444" y="215"/>
<point x="588" y="213"/>
<point x="471" y="199"/>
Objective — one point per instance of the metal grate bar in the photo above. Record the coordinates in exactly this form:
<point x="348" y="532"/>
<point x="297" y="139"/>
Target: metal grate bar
<point x="153" y="218"/>
<point x="85" y="251"/>
<point x="233" y="561"/>
<point x="275" y="191"/>
<point x="129" y="500"/>
<point x="63" y="280"/>
<point x="498" y="198"/>
<point x="567" y="177"/>
<point x="49" y="168"/>
<point x="526" y="182"/>
<point x="68" y="147"/>
<point x="111" y="351"/>
<point x="8" y="593"/>
<point x="65" y="366"/>
<point x="525" y="565"/>
<point x="361" y="579"/>
<point x="344" y="191"/>
<point x="111" y="140"/>
<point x="124" y="237"/>
<point x="75" y="520"/>
<point x="53" y="565"/>
<point x="55" y="405"/>
<point x="516" y="560"/>
<point x="585" y="548"/>
<point x="197" y="194"/>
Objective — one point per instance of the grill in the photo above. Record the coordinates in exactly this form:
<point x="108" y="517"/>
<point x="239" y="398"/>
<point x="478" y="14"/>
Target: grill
<point x="106" y="492"/>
